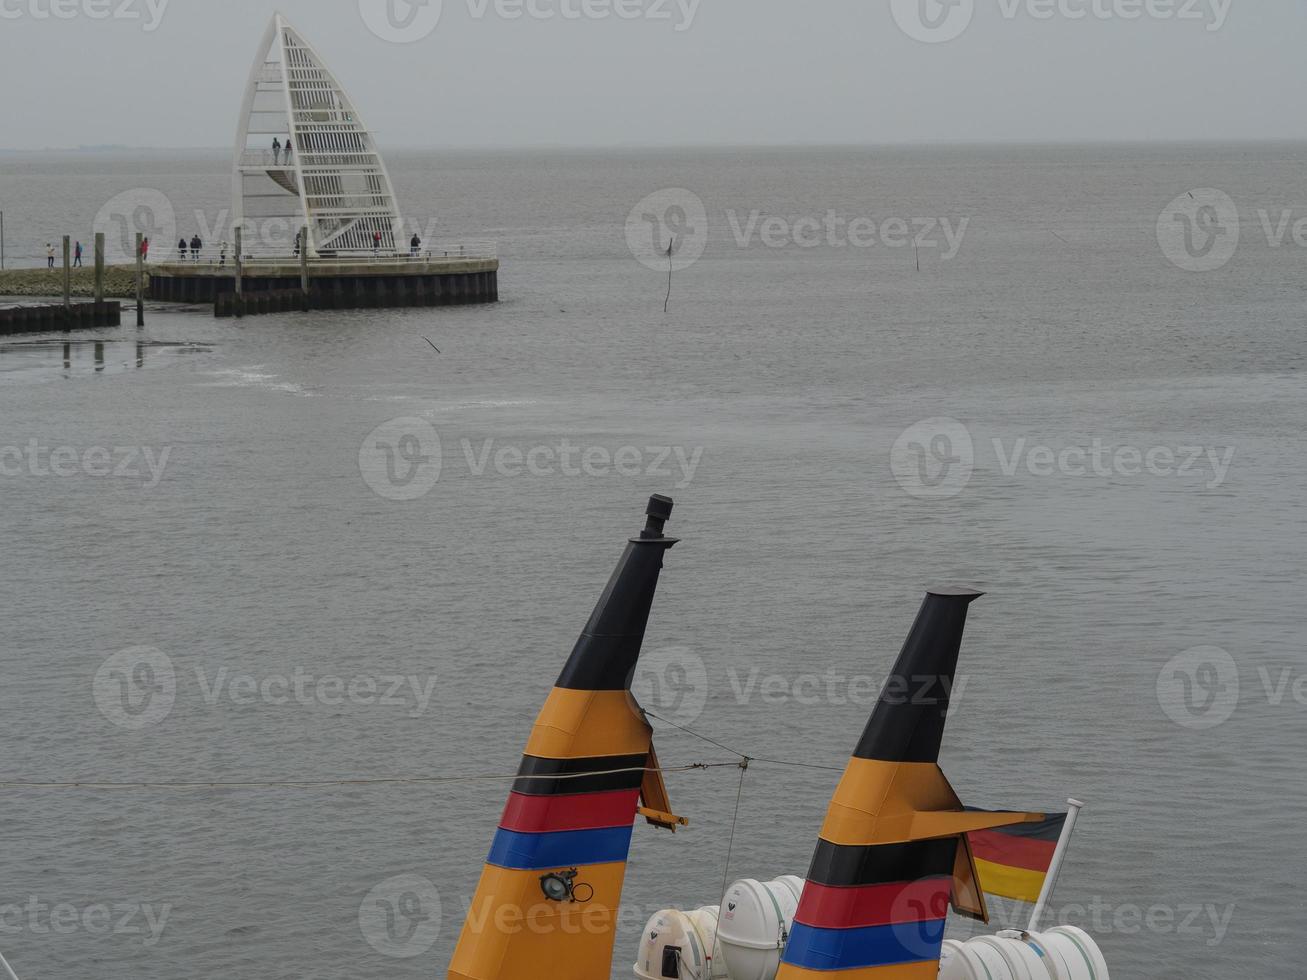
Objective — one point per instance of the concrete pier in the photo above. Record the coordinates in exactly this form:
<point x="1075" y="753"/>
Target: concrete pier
<point x="279" y="285"/>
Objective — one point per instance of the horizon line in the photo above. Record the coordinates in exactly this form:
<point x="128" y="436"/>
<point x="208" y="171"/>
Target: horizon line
<point x="633" y="147"/>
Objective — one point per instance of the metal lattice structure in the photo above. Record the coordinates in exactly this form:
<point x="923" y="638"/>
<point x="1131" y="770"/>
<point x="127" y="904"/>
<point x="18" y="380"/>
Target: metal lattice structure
<point x="305" y="158"/>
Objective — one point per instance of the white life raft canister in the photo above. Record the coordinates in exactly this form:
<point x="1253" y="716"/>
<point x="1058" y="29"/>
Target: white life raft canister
<point x="675" y="944"/>
<point x="1063" y="953"/>
<point x="756" y="919"/>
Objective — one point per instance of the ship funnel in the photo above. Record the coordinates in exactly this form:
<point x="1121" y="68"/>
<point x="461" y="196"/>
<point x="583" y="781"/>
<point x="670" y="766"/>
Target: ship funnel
<point x="907" y="724"/>
<point x="892" y="855"/>
<point x="605" y="655"/>
<point x="548" y="896"/>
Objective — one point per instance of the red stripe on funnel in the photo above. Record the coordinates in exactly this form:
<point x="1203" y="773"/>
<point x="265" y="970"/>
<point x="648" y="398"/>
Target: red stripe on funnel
<point x="583" y="811"/>
<point x="830" y="907"/>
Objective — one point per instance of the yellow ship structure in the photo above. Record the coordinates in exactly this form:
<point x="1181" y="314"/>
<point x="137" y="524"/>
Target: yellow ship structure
<point x="897" y="852"/>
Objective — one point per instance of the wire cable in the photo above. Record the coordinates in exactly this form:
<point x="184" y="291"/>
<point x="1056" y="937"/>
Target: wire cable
<point x="318" y="783"/>
<point x="742" y="755"/>
<point x="726" y="868"/>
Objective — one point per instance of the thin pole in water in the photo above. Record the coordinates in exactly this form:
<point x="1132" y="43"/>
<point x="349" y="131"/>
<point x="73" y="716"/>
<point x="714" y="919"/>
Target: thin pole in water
<point x="671" y="247"/>
<point x="1055" y="869"/>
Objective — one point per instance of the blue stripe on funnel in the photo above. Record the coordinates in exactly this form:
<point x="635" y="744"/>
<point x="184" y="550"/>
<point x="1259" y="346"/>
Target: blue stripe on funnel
<point x="559" y="849"/>
<point x="848" y="949"/>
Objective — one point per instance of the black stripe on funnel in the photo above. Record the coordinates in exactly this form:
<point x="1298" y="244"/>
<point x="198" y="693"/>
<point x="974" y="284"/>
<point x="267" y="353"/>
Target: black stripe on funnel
<point x="569" y="777"/>
<point x="605" y="656"/>
<point x="849" y="866"/>
<point x="907" y="724"/>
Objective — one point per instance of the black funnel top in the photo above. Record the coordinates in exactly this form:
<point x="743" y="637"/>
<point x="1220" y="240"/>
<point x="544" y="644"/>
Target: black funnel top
<point x="604" y="657"/>
<point x="907" y="724"/>
<point x="658" y="512"/>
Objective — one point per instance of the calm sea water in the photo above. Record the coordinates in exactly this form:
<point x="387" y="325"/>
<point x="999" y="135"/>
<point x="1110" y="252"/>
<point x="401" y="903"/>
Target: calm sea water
<point x="243" y="544"/>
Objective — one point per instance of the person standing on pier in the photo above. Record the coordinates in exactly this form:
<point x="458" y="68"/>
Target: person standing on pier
<point x="49" y="256"/>
<point x="77" y="254"/>
<point x="196" y="245"/>
<point x="276" y="150"/>
<point x="145" y="250"/>
<point x="181" y="249"/>
<point x="415" y="245"/>
<point x="289" y="150"/>
<point x="376" y="242"/>
<point x="222" y="253"/>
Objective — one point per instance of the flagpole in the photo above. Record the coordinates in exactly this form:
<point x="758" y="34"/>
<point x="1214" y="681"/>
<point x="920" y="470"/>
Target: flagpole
<point x="1059" y="855"/>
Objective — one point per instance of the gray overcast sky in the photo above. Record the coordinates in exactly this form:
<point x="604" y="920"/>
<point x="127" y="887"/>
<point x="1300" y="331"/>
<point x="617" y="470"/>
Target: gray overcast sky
<point x="506" y="73"/>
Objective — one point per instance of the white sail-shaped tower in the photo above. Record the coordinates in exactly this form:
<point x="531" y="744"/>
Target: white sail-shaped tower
<point x="305" y="158"/>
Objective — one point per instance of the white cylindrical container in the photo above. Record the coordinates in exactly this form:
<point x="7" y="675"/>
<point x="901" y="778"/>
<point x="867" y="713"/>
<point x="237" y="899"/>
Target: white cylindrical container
<point x="1073" y="951"/>
<point x="1064" y="953"/>
<point x="1004" y="959"/>
<point x="795" y="884"/>
<point x="705" y="923"/>
<point x="670" y="948"/>
<point x="755" y="922"/>
<point x="973" y="961"/>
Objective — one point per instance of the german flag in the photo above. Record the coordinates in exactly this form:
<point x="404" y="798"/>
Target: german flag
<point x="1013" y="862"/>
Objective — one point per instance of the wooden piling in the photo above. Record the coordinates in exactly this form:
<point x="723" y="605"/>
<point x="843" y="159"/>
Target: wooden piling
<point x="99" y="267"/>
<point x="68" y="273"/>
<point x="238" y="307"/>
<point x="304" y="264"/>
<point x="140" y="279"/>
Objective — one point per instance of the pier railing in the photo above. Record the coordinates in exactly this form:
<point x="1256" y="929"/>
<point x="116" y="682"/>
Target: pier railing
<point x="265" y="158"/>
<point x="215" y="255"/>
<point x="334" y="159"/>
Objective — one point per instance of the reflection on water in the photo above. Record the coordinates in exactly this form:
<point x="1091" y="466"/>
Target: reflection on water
<point x="41" y="359"/>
